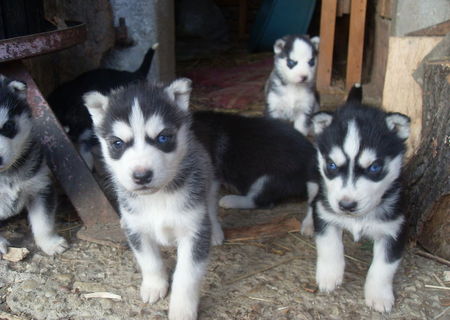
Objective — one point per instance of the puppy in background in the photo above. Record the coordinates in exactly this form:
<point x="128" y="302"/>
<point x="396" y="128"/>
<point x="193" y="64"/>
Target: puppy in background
<point x="291" y="88"/>
<point x="356" y="187"/>
<point x="24" y="177"/>
<point x="163" y="180"/>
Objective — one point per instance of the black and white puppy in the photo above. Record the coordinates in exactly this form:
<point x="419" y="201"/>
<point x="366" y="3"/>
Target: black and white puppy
<point x="291" y="88"/>
<point x="357" y="188"/>
<point x="263" y="159"/>
<point x="66" y="100"/>
<point x="24" y="177"/>
<point x="163" y="180"/>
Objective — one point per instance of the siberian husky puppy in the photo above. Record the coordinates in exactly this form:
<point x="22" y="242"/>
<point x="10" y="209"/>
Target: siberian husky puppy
<point x="264" y="160"/>
<point x="356" y="187"/>
<point x="291" y="88"/>
<point x="163" y="180"/>
<point x="25" y="181"/>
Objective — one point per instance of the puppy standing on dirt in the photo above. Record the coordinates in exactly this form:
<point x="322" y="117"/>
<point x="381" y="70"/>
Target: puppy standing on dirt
<point x="66" y="100"/>
<point x="24" y="177"/>
<point x="163" y="181"/>
<point x="291" y="88"/>
<point x="359" y="158"/>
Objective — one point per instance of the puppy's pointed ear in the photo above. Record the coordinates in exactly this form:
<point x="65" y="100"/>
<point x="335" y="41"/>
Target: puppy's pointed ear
<point x="179" y="91"/>
<point x="315" y="41"/>
<point x="97" y="104"/>
<point x="320" y="121"/>
<point x="398" y="123"/>
<point x="279" y="45"/>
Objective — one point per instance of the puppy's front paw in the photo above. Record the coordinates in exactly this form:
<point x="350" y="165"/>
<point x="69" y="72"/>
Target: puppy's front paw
<point x="52" y="245"/>
<point x="307" y="227"/>
<point x="328" y="277"/>
<point x="4" y="244"/>
<point x="217" y="236"/>
<point x="182" y="309"/>
<point x="154" y="289"/>
<point x="379" y="298"/>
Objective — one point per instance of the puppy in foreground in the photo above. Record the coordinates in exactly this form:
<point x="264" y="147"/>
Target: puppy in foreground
<point x="163" y="180"/>
<point x="357" y="188"/>
<point x="25" y="181"/>
<point x="291" y="88"/>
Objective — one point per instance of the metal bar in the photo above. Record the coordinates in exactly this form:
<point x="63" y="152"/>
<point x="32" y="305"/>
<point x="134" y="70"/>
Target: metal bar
<point x="62" y="157"/>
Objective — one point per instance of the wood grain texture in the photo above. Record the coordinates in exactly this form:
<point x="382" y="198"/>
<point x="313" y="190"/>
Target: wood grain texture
<point x="401" y="92"/>
<point x="327" y="28"/>
<point x="355" y="42"/>
<point x="427" y="175"/>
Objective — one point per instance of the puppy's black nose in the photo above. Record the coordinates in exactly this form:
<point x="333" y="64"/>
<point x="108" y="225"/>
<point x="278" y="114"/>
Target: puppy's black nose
<point x="303" y="78"/>
<point x="348" y="205"/>
<point x="142" y="176"/>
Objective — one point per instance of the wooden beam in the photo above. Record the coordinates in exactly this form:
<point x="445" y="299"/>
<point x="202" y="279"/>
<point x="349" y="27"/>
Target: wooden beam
<point x="356" y="42"/>
<point x="327" y="26"/>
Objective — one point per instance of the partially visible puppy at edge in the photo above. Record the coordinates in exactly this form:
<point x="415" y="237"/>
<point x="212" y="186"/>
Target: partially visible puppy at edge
<point x="291" y="88"/>
<point x="356" y="187"/>
<point x="261" y="159"/>
<point x="66" y="100"/>
<point x="25" y="181"/>
<point x="163" y="179"/>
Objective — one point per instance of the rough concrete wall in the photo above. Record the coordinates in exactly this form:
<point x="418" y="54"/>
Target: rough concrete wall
<point x="148" y="22"/>
<point x="412" y="15"/>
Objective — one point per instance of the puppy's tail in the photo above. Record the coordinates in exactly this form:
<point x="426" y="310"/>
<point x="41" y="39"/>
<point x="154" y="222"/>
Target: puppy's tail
<point x="355" y="94"/>
<point x="142" y="71"/>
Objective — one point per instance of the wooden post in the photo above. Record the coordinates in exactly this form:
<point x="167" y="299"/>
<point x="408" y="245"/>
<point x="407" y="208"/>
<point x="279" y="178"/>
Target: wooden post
<point x="356" y="42"/>
<point x="427" y="183"/>
<point x="327" y="26"/>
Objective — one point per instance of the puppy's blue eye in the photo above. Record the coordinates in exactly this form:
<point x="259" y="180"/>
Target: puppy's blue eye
<point x="375" y="167"/>
<point x="117" y="144"/>
<point x="312" y="62"/>
<point x="291" y="63"/>
<point x="163" y="139"/>
<point x="331" y="166"/>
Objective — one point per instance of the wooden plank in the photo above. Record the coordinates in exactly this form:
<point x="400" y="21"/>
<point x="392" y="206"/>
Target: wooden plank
<point x="384" y="8"/>
<point x="274" y="228"/>
<point x="327" y="29"/>
<point x="401" y="92"/>
<point x="343" y="7"/>
<point x="355" y="42"/>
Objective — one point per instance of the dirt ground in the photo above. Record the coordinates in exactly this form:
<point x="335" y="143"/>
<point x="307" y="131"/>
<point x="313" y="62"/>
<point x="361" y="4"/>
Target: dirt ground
<point x="261" y="279"/>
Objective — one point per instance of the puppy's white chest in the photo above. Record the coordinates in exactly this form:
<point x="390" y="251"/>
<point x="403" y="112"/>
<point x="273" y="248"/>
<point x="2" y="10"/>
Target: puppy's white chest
<point x="163" y="218"/>
<point x="291" y="100"/>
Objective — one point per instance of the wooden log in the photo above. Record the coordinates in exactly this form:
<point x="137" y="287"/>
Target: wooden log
<point x="401" y="92"/>
<point x="427" y="174"/>
<point x="271" y="229"/>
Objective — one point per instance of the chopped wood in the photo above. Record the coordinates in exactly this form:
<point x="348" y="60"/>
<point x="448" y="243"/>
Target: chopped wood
<point x="102" y="295"/>
<point x="16" y="254"/>
<point x="271" y="229"/>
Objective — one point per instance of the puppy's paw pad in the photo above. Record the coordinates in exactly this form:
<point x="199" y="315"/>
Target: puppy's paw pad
<point x="381" y="301"/>
<point x="53" y="245"/>
<point x="154" y="290"/>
